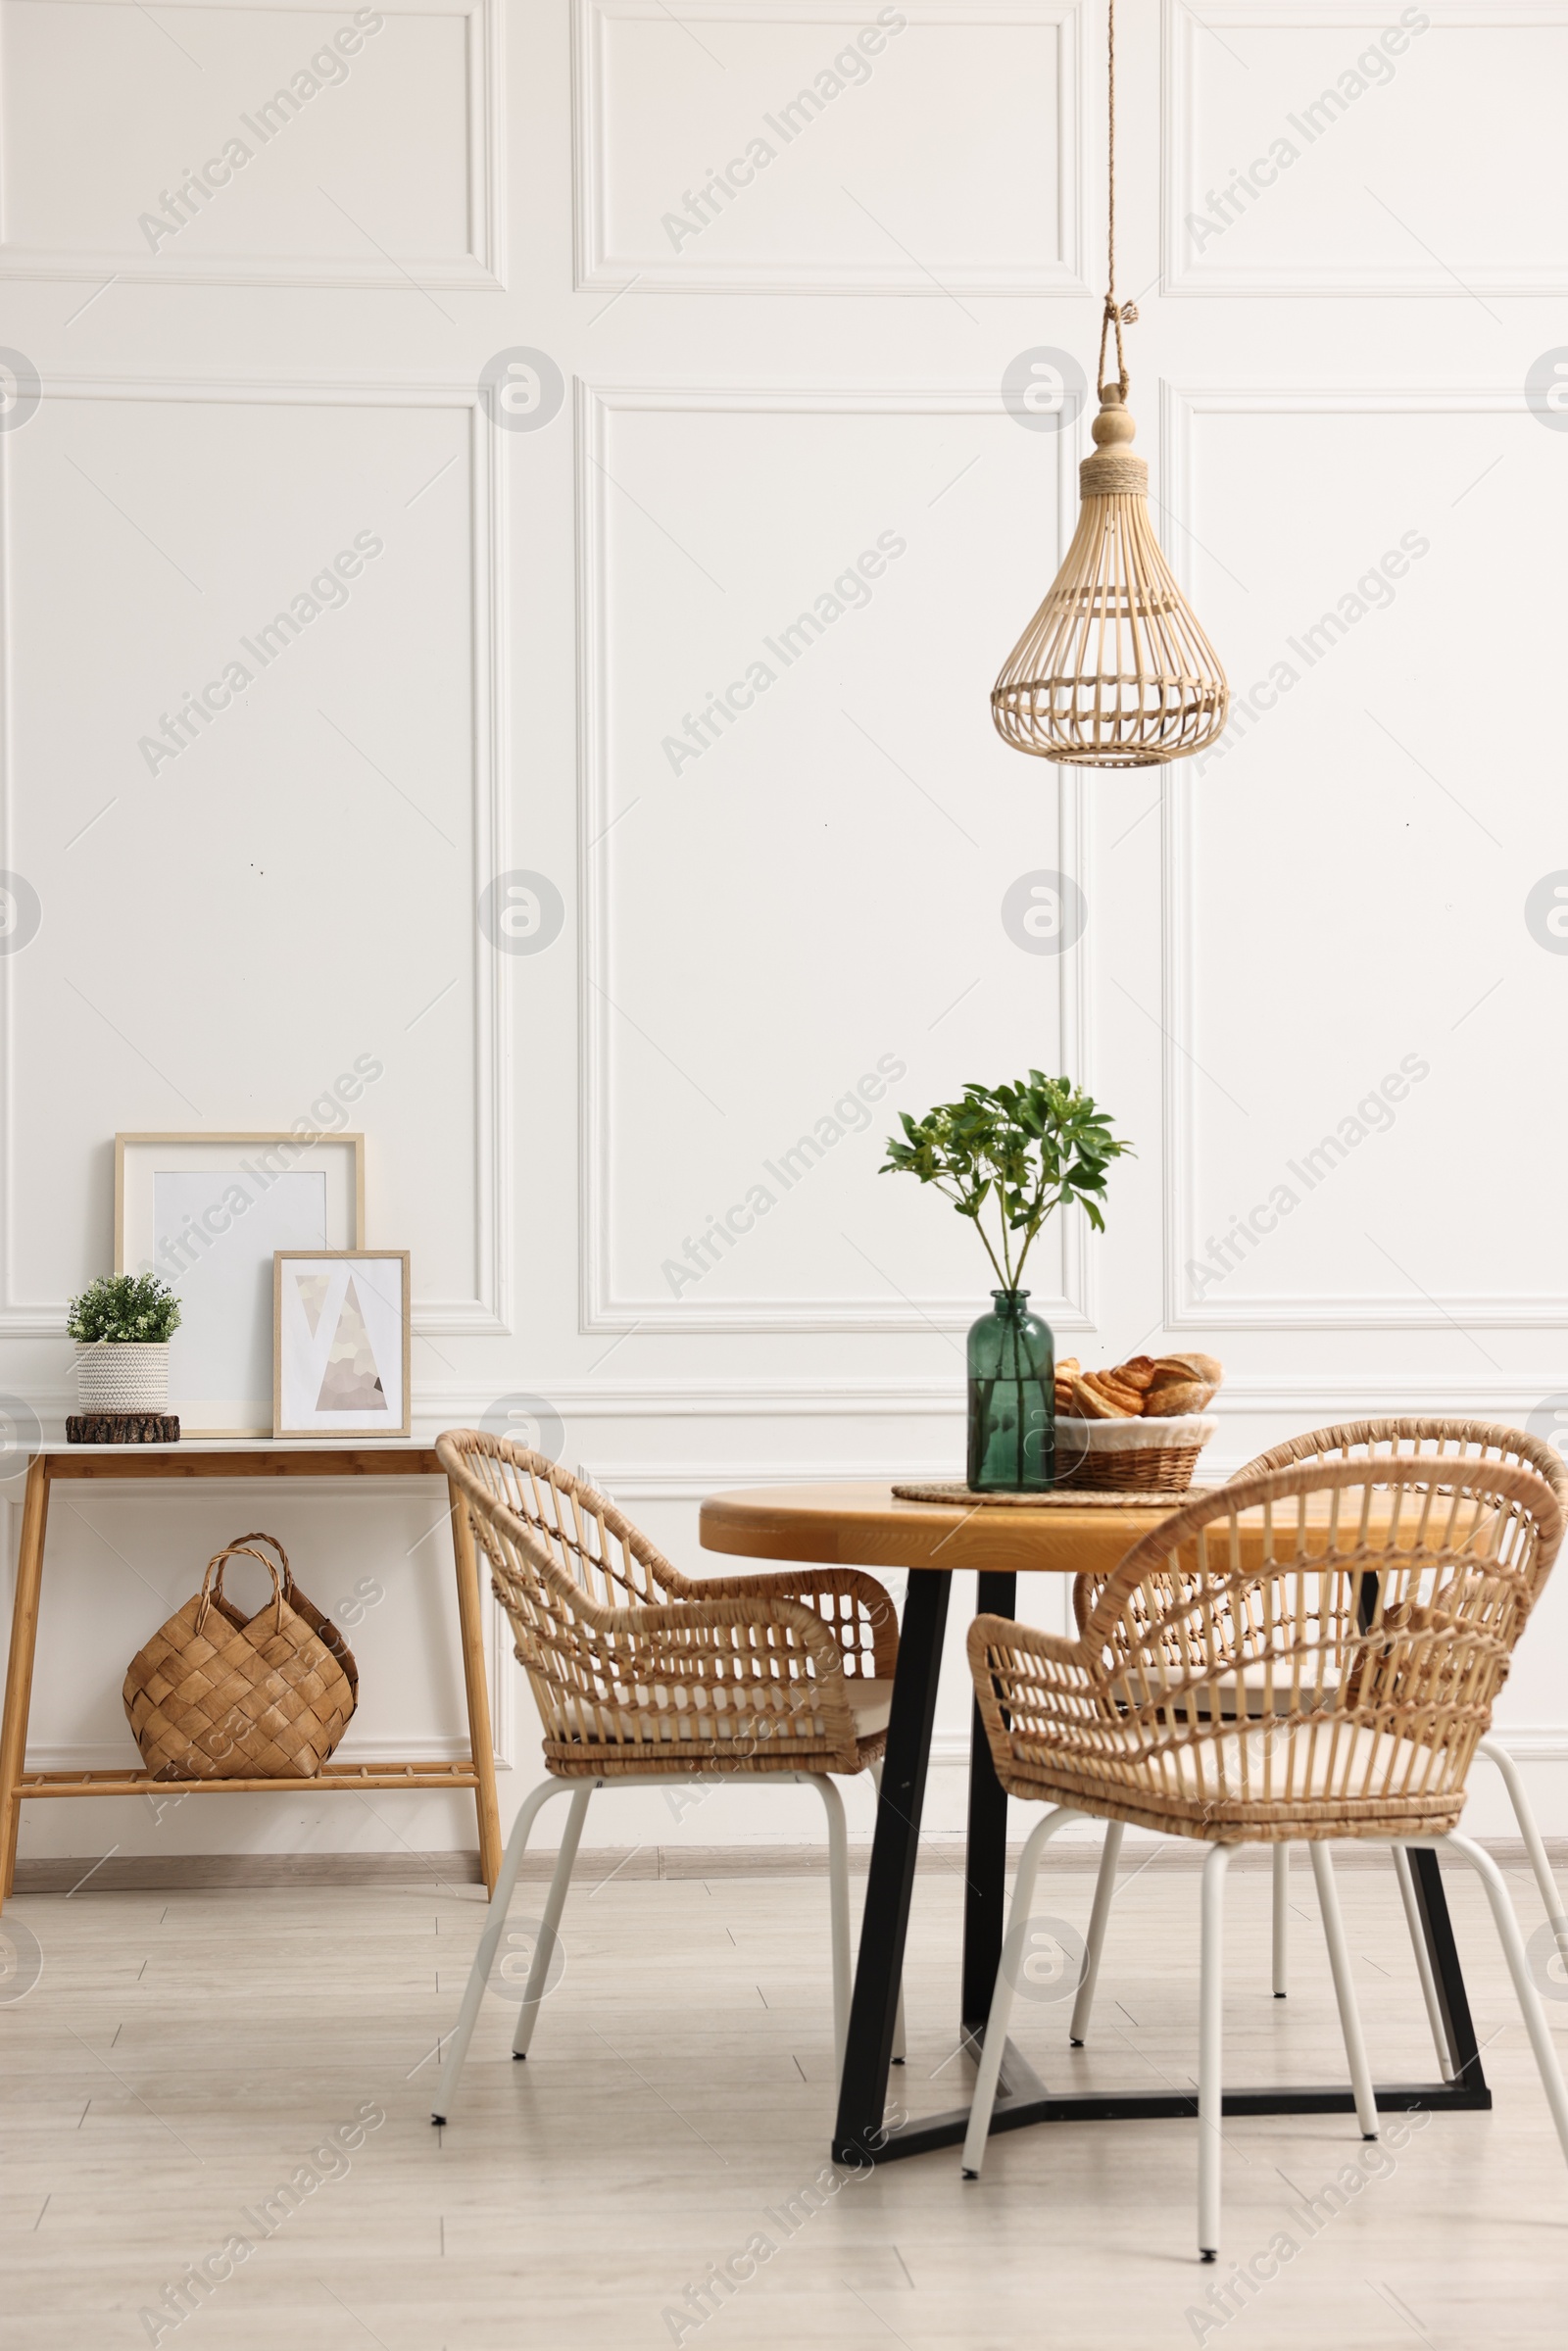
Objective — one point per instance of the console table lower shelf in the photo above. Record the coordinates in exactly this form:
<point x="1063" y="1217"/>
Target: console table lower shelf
<point x="368" y="1775"/>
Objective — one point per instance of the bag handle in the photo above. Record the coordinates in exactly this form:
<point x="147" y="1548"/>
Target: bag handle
<point x="332" y="1637"/>
<point x="212" y="1592"/>
<point x="240" y="1541"/>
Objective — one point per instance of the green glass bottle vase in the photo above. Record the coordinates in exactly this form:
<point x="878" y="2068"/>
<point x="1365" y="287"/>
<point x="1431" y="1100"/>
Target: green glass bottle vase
<point x="1012" y="1409"/>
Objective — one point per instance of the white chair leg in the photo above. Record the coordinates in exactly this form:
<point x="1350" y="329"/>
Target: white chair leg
<point x="1525" y="1814"/>
<point x="838" y="1893"/>
<point x="899" y="2044"/>
<point x="1282" y="1916"/>
<point x="1211" y="2073"/>
<point x="1104" y="1894"/>
<point x="1423" y="1960"/>
<point x="1328" y="1902"/>
<point x="1535" y="2016"/>
<point x="555" y="1904"/>
<point x="995" y="2041"/>
<point x="495" y="1921"/>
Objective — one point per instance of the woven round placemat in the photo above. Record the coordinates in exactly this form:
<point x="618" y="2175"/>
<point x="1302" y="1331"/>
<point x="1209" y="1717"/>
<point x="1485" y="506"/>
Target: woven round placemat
<point x="1077" y="1497"/>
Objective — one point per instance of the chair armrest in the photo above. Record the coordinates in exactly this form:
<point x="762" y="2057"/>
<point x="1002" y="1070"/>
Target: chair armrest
<point x="712" y="1609"/>
<point x="673" y="1644"/>
<point x="1080" y="1663"/>
<point x="865" y="1626"/>
<point x="1019" y="1671"/>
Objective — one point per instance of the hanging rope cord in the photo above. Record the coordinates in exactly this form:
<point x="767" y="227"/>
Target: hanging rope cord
<point x="1116" y="315"/>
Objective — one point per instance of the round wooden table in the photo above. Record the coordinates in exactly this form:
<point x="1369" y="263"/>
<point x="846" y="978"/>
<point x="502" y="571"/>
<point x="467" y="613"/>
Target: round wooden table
<point x="866" y="1525"/>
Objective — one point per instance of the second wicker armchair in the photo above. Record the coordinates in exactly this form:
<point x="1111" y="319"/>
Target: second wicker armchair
<point x="1434" y="1445"/>
<point x="1309" y="1654"/>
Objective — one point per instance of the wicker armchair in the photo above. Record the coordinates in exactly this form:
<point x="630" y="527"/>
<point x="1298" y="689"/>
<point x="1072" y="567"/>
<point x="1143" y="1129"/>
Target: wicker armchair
<point x="1425" y="1441"/>
<point x="1429" y="1441"/>
<point x="1310" y="1653"/>
<point x="643" y="1676"/>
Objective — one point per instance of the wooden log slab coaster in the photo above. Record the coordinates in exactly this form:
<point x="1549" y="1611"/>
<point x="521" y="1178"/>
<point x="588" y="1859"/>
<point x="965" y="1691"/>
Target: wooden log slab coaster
<point x="1058" y="1498"/>
<point x="123" y="1428"/>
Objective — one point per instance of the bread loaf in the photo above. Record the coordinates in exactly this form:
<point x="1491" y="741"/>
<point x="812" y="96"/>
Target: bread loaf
<point x="1181" y="1395"/>
<point x="1168" y="1368"/>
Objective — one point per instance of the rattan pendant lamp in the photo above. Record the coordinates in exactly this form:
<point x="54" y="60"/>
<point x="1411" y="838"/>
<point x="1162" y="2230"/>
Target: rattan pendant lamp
<point x="1114" y="671"/>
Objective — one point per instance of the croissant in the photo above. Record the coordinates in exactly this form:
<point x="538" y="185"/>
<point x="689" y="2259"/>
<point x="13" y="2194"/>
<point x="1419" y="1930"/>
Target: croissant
<point x="1087" y="1404"/>
<point x="1099" y="1399"/>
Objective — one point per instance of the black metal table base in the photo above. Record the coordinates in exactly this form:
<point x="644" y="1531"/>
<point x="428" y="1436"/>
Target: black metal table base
<point x="862" y="2131"/>
<point x="1033" y="2103"/>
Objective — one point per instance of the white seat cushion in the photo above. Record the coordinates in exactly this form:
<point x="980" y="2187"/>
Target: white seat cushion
<point x="692" y="1715"/>
<point x="1288" y="1761"/>
<point x="870" y="1703"/>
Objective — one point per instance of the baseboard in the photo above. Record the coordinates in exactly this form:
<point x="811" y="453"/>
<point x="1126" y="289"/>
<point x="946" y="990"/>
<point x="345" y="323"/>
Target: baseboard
<point x="132" y="1872"/>
<point x="598" y="1865"/>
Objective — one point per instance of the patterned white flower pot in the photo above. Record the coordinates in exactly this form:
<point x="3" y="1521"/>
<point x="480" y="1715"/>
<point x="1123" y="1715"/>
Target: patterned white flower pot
<point x="121" y="1376"/>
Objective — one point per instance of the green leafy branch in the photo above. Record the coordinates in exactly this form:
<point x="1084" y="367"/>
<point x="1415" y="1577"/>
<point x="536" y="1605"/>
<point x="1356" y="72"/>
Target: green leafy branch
<point x="1024" y="1148"/>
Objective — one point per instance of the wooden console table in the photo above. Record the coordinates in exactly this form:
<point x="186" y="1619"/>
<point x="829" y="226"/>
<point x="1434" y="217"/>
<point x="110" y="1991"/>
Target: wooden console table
<point x="169" y="1464"/>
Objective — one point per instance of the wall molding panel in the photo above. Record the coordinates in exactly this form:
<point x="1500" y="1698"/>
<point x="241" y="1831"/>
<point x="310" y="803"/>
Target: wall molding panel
<point x="104" y="1755"/>
<point x="357" y="258"/>
<point x="485" y="1311"/>
<point x="602" y="1308"/>
<point x="1195" y="42"/>
<point x="662" y="267"/>
<point x="1182" y="925"/>
<point x="171" y="1504"/>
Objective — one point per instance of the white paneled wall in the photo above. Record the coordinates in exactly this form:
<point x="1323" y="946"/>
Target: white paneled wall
<point x="707" y="646"/>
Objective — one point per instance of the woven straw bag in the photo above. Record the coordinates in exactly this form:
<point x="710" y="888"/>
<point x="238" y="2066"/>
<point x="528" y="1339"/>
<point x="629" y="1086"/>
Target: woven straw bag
<point x="215" y="1697"/>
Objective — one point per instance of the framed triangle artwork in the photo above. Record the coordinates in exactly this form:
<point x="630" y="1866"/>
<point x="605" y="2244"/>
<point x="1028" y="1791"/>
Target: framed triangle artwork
<point x="340" y="1343"/>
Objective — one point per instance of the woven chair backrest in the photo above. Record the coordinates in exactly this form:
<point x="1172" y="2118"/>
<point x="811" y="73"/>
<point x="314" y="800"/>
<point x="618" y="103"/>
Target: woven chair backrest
<point x="1371" y="1596"/>
<point x="564" y="1563"/>
<point x="571" y="1529"/>
<point x="1428" y="1442"/>
<point x="626" y="1657"/>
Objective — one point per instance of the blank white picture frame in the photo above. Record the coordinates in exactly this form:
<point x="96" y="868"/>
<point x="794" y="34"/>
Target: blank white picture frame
<point x="207" y="1214"/>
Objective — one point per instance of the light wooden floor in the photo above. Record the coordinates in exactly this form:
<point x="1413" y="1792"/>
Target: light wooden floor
<point x="183" y="2053"/>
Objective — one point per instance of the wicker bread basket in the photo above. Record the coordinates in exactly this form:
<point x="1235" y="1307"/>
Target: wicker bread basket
<point x="1128" y="1456"/>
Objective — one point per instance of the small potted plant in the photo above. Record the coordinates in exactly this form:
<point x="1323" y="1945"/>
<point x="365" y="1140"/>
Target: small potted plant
<point x="122" y="1324"/>
<point x="1016" y="1153"/>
